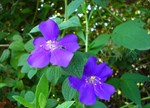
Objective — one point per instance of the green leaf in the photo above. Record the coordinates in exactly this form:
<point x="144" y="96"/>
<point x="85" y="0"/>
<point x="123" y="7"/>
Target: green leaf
<point x="32" y="72"/>
<point x="29" y="96"/>
<point x="99" y="42"/>
<point x="66" y="104"/>
<point x="2" y="85"/>
<point x="17" y="37"/>
<point x="26" y="68"/>
<point x="42" y="87"/>
<point x="29" y="46"/>
<point x="115" y="82"/>
<point x="80" y="34"/>
<point x="131" y="91"/>
<point x="53" y="74"/>
<point x="42" y="100"/>
<point x="67" y="91"/>
<point x="147" y="105"/>
<point x="14" y="58"/>
<point x="51" y="103"/>
<point x="73" y="6"/>
<point x="131" y="35"/>
<point x="17" y="46"/>
<point x="102" y="3"/>
<point x="5" y="55"/>
<point x="76" y="65"/>
<point x="35" y="29"/>
<point x="23" y="59"/>
<point x="72" y="22"/>
<point x="135" y="77"/>
<point x="97" y="105"/>
<point x="23" y="101"/>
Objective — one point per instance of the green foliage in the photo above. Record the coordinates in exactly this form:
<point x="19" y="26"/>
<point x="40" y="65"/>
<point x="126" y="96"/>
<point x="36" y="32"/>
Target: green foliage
<point x="53" y="74"/>
<point x="66" y="104"/>
<point x="72" y="22"/>
<point x="131" y="35"/>
<point x="115" y="31"/>
<point x="73" y="6"/>
<point x="76" y="65"/>
<point x="67" y="91"/>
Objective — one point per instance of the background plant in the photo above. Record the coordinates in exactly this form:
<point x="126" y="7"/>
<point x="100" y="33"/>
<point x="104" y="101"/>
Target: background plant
<point x="116" y="31"/>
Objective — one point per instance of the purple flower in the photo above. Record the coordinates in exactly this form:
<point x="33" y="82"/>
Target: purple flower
<point x="92" y="82"/>
<point x="49" y="49"/>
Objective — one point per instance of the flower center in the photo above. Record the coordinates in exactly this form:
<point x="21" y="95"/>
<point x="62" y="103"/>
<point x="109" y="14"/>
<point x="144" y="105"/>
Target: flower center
<point x="93" y="80"/>
<point x="49" y="45"/>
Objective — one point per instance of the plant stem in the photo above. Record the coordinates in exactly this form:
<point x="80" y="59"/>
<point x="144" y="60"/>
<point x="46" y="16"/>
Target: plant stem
<point x="126" y="106"/>
<point x="4" y="45"/>
<point x="86" y="32"/>
<point x="66" y="16"/>
<point x="66" y="10"/>
<point x="113" y="14"/>
<point x="35" y="14"/>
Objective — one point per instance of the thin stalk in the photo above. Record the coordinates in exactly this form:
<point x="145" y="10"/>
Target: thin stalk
<point x="87" y="30"/>
<point x="113" y="14"/>
<point x="66" y="10"/>
<point x="66" y="16"/>
<point x="4" y="45"/>
<point x="126" y="106"/>
<point x="35" y="14"/>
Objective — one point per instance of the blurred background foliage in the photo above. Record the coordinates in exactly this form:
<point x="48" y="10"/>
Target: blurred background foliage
<point x="18" y="17"/>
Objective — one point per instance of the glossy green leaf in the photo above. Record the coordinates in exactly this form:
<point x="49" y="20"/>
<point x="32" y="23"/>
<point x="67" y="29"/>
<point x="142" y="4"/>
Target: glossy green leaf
<point x="131" y="35"/>
<point x="136" y="77"/>
<point x="5" y="55"/>
<point x="23" y="101"/>
<point x="72" y="22"/>
<point x="73" y="6"/>
<point x="53" y="73"/>
<point x="42" y="100"/>
<point x="42" y="87"/>
<point x="76" y="65"/>
<point x="66" y="104"/>
<point x="67" y="91"/>
<point x="131" y="91"/>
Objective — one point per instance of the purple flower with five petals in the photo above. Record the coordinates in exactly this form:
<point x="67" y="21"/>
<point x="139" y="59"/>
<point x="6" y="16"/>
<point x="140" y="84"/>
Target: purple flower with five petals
<point x="92" y="82"/>
<point x="50" y="50"/>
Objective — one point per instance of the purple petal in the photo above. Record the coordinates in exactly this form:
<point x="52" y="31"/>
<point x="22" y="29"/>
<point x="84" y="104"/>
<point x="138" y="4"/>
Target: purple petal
<point x="38" y="41"/>
<point x="69" y="42"/>
<point x="75" y="82"/>
<point x="61" y="57"/>
<point x="87" y="95"/>
<point x="90" y="66"/>
<point x="39" y="58"/>
<point x="49" y="29"/>
<point x="104" y="91"/>
<point x="103" y="71"/>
